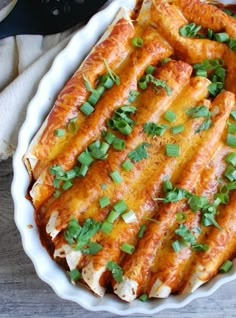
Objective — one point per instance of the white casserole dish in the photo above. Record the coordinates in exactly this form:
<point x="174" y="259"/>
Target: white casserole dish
<point x="47" y="269"/>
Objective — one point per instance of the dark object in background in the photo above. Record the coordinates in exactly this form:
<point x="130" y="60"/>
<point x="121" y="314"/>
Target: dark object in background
<point x="47" y="16"/>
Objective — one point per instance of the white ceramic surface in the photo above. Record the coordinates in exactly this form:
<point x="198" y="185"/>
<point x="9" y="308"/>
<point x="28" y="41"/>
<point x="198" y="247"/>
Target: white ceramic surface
<point x="63" y="67"/>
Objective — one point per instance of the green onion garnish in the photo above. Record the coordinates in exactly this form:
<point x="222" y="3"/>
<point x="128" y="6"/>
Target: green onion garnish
<point x="118" y="144"/>
<point x="231" y="140"/>
<point x="127" y="248"/>
<point x="132" y="96"/>
<point x="92" y="248"/>
<point x="230" y="173"/>
<point x="59" y="132"/>
<point x="231" y="158"/>
<point x="72" y="126"/>
<point x="142" y="230"/>
<point x="143" y="297"/>
<point x="112" y="216"/>
<point x="233" y="114"/>
<point x="232" y="44"/>
<point x="127" y="165"/>
<point x="104" y="201"/>
<point x="109" y="137"/>
<point x="231" y="128"/>
<point x="172" y="150"/>
<point x="129" y="217"/>
<point x="177" y="246"/>
<point x="181" y="216"/>
<point x="221" y="37"/>
<point x="67" y="185"/>
<point x="106" y="227"/>
<point x="177" y="129"/>
<point x="116" y="177"/>
<point x="57" y="193"/>
<point x="85" y="158"/>
<point x="165" y="60"/>
<point x="200" y="247"/>
<point x="75" y="274"/>
<point x="83" y="170"/>
<point x="154" y="129"/>
<point x="189" y="30"/>
<point x="120" y="206"/>
<point x="116" y="270"/>
<point x="112" y="74"/>
<point x="137" y="41"/>
<point x="150" y="69"/>
<point x="86" y="108"/>
<point x="201" y="73"/>
<point x="226" y="266"/>
<point x="170" y="116"/>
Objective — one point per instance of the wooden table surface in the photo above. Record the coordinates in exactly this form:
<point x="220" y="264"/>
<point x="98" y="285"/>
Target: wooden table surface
<point x="23" y="294"/>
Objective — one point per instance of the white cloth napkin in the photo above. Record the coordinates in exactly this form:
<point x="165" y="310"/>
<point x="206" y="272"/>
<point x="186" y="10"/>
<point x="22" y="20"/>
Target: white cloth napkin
<point x="24" y="59"/>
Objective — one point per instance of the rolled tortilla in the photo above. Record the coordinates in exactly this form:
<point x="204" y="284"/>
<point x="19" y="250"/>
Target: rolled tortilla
<point x="114" y="47"/>
<point x="207" y="15"/>
<point x="137" y="267"/>
<point x="168" y="20"/>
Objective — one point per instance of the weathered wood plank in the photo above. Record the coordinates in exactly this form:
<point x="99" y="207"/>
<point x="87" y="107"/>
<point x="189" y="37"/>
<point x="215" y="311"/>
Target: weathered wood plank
<point x="23" y="294"/>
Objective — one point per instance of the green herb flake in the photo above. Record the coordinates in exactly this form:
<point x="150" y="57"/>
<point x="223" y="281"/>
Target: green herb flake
<point x="116" y="270"/>
<point x="139" y="153"/>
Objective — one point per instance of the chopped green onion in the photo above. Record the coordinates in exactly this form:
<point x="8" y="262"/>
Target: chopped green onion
<point x="198" y="111"/>
<point x="103" y="186"/>
<point x="92" y="248"/>
<point x="201" y="73"/>
<point x="177" y="246"/>
<point x="143" y="297"/>
<point x="56" y="183"/>
<point x="231" y="158"/>
<point x="226" y="266"/>
<point x="232" y="44"/>
<point x="116" y="177"/>
<point x="123" y="127"/>
<point x="67" y="185"/>
<point x="150" y="69"/>
<point x="232" y="128"/>
<point x="233" y="114"/>
<point x="170" y="116"/>
<point x="104" y="201"/>
<point x="177" y="129"/>
<point x="215" y="88"/>
<point x="167" y="185"/>
<point x="132" y="96"/>
<point x="181" y="216"/>
<point x="120" y="206"/>
<point x="230" y="173"/>
<point x="165" y="60"/>
<point x="189" y="30"/>
<point x="139" y="152"/>
<point x="231" y="140"/>
<point x="172" y="150"/>
<point x="205" y="125"/>
<point x="186" y="234"/>
<point x="200" y="247"/>
<point x="142" y="230"/>
<point x="86" y="108"/>
<point x="221" y="37"/>
<point x="118" y="144"/>
<point x="137" y="41"/>
<point x="129" y="217"/>
<point x="57" y="171"/>
<point x="127" y="248"/>
<point x="75" y="274"/>
<point x="106" y="227"/>
<point x="83" y="170"/>
<point x="197" y="202"/>
<point x="59" y="132"/>
<point x="112" y="216"/>
<point x="106" y="81"/>
<point x="85" y="158"/>
<point x="154" y="129"/>
<point x="109" y="137"/>
<point x="143" y="82"/>
<point x="96" y="94"/>
<point x="116" y="270"/>
<point x="72" y="126"/>
<point x="127" y="165"/>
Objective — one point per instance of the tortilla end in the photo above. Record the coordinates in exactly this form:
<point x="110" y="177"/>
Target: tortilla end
<point x="72" y="256"/>
<point x="51" y="225"/>
<point x="92" y="278"/>
<point x="127" y="289"/>
<point x="159" y="290"/>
